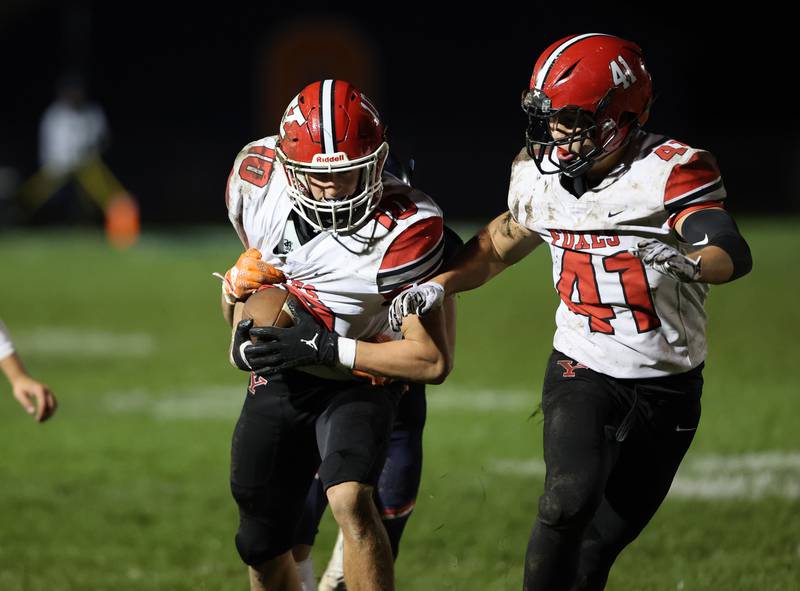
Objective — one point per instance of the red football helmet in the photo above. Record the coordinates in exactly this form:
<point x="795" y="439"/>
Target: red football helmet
<point x="331" y="127"/>
<point x="598" y="84"/>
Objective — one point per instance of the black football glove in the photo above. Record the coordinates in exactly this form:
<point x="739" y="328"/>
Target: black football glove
<point x="276" y="349"/>
<point x="240" y="345"/>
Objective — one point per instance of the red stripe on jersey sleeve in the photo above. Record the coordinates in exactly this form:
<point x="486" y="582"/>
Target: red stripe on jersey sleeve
<point x="413" y="243"/>
<point x="701" y="170"/>
<point x="676" y="217"/>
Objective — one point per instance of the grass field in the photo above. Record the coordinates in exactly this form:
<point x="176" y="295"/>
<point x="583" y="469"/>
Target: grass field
<point x="127" y="487"/>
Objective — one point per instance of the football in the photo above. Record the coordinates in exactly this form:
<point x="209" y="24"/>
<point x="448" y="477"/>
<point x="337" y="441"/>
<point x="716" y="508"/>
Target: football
<point x="269" y="307"/>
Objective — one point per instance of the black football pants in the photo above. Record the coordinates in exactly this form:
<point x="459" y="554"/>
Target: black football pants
<point x="396" y="493"/>
<point x="611" y="447"/>
<point x="292" y="426"/>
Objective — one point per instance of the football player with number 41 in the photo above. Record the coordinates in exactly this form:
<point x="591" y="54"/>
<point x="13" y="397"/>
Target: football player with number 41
<point x="636" y="227"/>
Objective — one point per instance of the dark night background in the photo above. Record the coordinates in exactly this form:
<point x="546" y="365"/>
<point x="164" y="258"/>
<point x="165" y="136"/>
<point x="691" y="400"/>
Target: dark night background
<point x="185" y="87"/>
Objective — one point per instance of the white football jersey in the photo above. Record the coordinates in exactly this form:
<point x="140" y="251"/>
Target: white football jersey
<point x="616" y="316"/>
<point x="345" y="281"/>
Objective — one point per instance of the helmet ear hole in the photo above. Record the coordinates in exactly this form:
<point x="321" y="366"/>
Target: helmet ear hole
<point x="605" y="101"/>
<point x="645" y="114"/>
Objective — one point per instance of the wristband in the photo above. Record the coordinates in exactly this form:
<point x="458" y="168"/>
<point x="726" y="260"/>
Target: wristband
<point x="229" y="299"/>
<point x="347" y="352"/>
<point x="6" y="346"/>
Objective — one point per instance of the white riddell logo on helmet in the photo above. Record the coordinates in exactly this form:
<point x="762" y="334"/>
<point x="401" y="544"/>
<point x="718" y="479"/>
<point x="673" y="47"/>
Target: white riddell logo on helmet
<point x="328" y="158"/>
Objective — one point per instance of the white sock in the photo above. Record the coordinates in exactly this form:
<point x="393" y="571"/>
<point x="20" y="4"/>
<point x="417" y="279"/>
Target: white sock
<point x="305" y="569"/>
<point x="336" y="564"/>
<point x="333" y="577"/>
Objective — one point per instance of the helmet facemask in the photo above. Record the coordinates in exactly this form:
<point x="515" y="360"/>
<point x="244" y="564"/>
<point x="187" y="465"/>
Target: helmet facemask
<point x="581" y="142"/>
<point x="343" y="215"/>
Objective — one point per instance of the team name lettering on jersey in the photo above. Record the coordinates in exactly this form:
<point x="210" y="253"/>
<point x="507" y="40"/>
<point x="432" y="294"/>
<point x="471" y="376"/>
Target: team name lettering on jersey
<point x="578" y="241"/>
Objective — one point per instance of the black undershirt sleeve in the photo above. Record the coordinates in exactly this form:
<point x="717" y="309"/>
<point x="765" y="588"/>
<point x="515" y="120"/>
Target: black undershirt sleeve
<point x="715" y="227"/>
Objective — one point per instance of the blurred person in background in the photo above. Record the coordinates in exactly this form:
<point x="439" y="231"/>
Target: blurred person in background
<point x="73" y="130"/>
<point x="73" y="133"/>
<point x="35" y="397"/>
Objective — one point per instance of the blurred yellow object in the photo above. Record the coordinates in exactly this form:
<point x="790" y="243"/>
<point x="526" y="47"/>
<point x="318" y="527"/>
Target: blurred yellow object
<point x="93" y="177"/>
<point x="97" y="183"/>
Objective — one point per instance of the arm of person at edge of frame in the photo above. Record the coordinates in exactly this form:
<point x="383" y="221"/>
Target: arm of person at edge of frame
<point x="35" y="397"/>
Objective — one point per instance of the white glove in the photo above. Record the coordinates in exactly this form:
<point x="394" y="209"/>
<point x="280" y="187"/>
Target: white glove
<point x="417" y="299"/>
<point x="667" y="260"/>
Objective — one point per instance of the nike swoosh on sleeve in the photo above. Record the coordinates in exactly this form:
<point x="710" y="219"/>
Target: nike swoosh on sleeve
<point x="701" y="242"/>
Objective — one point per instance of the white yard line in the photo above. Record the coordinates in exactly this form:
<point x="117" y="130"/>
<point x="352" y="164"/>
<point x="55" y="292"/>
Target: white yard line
<point x="772" y="474"/>
<point x="746" y="476"/>
<point x="219" y="401"/>
<point x="753" y="476"/>
<point x="210" y="402"/>
<point x="445" y="398"/>
<point x="78" y="342"/>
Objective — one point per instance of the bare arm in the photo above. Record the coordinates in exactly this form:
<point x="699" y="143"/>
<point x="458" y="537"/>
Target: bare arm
<point x="717" y="265"/>
<point x="36" y="398"/>
<point x="227" y="310"/>
<point x="425" y="354"/>
<point x="496" y="247"/>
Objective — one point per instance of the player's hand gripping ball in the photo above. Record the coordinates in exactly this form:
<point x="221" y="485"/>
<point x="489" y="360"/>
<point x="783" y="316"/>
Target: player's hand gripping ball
<point x="247" y="275"/>
<point x="277" y="333"/>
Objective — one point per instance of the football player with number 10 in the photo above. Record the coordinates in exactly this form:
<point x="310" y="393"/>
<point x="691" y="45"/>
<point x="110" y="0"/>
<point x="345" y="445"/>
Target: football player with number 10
<point x="327" y="230"/>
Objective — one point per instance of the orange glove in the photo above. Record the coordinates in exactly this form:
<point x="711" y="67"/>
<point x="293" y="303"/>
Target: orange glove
<point x="247" y="275"/>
